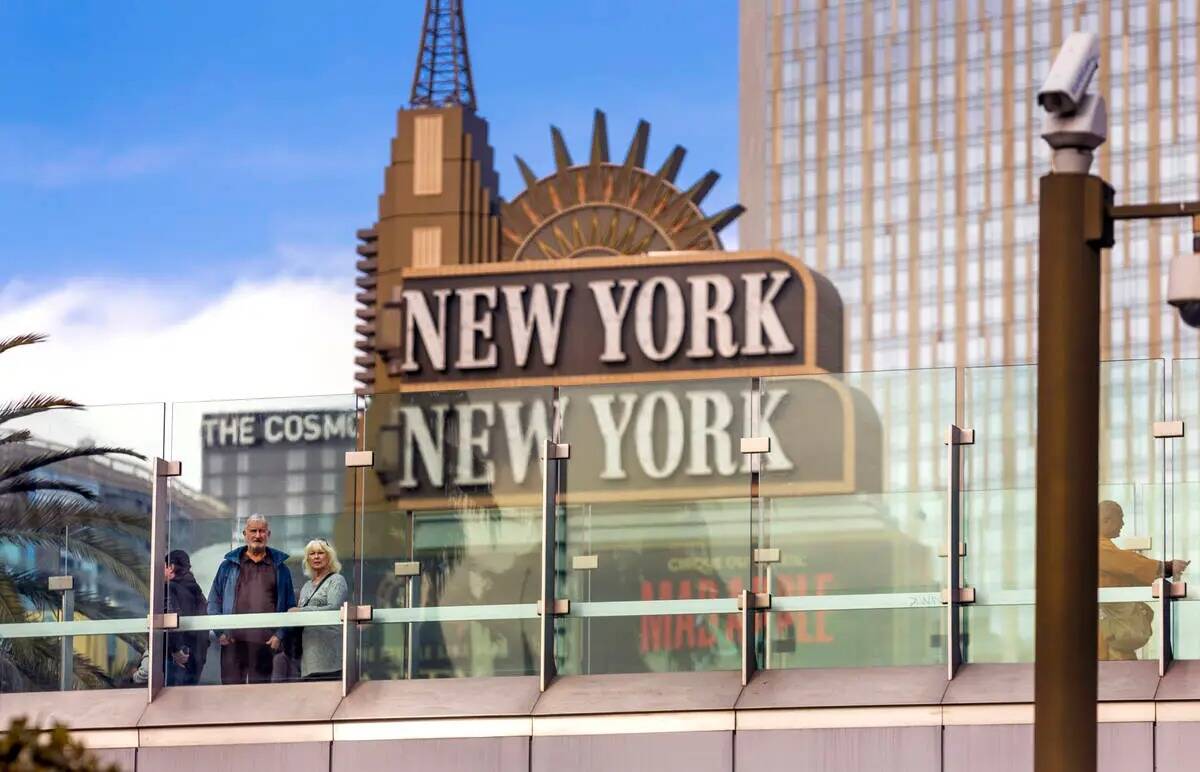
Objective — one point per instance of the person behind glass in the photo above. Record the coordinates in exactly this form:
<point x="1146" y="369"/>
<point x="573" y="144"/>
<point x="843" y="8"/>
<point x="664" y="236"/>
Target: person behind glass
<point x="1127" y="626"/>
<point x="253" y="579"/>
<point x="186" y="651"/>
<point x="325" y="590"/>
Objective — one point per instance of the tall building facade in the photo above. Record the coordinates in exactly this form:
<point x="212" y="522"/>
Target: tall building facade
<point x="894" y="145"/>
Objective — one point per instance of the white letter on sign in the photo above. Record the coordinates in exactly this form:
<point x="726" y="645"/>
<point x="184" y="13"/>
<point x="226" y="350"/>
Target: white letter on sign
<point x="644" y="318"/>
<point x="672" y="432"/>
<point x="471" y="326"/>
<point x="548" y="325"/>
<point x="433" y="335"/>
<point x="612" y="315"/>
<point x="612" y="430"/>
<point x="715" y="313"/>
<point x="474" y="444"/>
<point x="761" y="316"/>
<point x="714" y="427"/>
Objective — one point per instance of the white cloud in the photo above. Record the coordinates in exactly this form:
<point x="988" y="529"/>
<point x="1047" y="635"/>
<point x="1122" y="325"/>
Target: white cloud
<point x="132" y="342"/>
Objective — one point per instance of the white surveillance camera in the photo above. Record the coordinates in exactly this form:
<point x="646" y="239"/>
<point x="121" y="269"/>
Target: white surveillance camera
<point x="1183" y="286"/>
<point x="1075" y="135"/>
<point x="1076" y="63"/>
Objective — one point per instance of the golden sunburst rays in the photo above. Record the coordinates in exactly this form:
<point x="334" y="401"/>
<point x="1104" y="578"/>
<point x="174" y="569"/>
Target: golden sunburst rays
<point x="604" y="208"/>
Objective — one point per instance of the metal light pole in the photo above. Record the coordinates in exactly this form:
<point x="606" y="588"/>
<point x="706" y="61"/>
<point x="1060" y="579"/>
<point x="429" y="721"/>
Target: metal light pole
<point x="1074" y="227"/>
<point x="1076" y="215"/>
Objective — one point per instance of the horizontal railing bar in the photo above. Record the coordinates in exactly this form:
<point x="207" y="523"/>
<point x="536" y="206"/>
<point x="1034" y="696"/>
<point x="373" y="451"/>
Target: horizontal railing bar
<point x="583" y="609"/>
<point x="389" y="616"/>
<point x="863" y="602"/>
<point x="1028" y="597"/>
<point x="638" y="608"/>
<point x="253" y="621"/>
<point x="125" y="626"/>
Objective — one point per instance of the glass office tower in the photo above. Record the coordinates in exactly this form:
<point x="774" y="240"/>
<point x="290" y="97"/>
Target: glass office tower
<point x="894" y="145"/>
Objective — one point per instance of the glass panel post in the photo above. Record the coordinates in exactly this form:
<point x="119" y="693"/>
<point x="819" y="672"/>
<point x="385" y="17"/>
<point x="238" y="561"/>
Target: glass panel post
<point x="955" y="439"/>
<point x="552" y="453"/>
<point x="160" y="501"/>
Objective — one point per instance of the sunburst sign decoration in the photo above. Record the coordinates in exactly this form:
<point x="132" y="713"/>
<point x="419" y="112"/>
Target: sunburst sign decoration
<point x="603" y="208"/>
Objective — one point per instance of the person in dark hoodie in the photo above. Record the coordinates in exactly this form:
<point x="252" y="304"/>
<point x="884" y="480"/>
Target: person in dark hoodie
<point x="186" y="651"/>
<point x="251" y="580"/>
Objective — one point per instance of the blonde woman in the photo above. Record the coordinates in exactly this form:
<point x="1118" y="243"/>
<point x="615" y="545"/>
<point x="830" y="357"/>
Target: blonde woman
<point x="325" y="590"/>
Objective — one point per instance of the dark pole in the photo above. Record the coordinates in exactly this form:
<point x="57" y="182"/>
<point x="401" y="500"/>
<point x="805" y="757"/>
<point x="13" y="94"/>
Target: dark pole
<point x="1074" y="225"/>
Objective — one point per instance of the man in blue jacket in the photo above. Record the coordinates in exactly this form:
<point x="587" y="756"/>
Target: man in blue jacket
<point x="251" y="580"/>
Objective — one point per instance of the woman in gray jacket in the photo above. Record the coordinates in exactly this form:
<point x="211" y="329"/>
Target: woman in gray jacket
<point x="325" y="590"/>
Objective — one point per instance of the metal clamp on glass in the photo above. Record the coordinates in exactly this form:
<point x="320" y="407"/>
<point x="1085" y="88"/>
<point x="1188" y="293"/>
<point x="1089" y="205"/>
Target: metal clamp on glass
<point x="357" y="459"/>
<point x="1168" y="430"/>
<point x="562" y="607"/>
<point x="1178" y="589"/>
<point x="964" y="595"/>
<point x="759" y="601"/>
<point x="407" y="568"/>
<point x="755" y="445"/>
<point x="767" y="555"/>
<point x="167" y="621"/>
<point x="353" y="613"/>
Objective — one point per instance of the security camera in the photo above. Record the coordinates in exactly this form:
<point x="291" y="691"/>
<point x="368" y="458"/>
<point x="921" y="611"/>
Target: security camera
<point x="1076" y="122"/>
<point x="1183" y="286"/>
<point x="1075" y="135"/>
<point x="1076" y="63"/>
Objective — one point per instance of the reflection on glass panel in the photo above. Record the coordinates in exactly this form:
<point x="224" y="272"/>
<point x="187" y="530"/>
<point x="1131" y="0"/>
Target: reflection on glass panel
<point x="855" y="503"/>
<point x="452" y="518"/>
<point x="74" y="540"/>
<point x="94" y="662"/>
<point x="1000" y="510"/>
<point x="258" y="495"/>
<point x="654" y="506"/>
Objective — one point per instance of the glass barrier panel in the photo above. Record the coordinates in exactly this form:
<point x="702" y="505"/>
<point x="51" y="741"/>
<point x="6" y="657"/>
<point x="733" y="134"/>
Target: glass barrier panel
<point x="1183" y="518"/>
<point x="1132" y="509"/>
<point x="451" y="530"/>
<point x="265" y="478"/>
<point x="999" y="510"/>
<point x="653" y="536"/>
<point x="75" y="501"/>
<point x="853" y="517"/>
<point x="34" y="657"/>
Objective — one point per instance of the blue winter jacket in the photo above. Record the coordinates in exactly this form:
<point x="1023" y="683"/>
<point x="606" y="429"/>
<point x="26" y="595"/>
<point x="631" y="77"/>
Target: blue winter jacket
<point x="224" y="586"/>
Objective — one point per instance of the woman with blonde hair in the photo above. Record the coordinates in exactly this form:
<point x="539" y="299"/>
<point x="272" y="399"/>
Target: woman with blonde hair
<point x="325" y="590"/>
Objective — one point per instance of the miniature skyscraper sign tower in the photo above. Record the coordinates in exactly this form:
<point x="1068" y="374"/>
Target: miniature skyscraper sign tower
<point x="440" y="195"/>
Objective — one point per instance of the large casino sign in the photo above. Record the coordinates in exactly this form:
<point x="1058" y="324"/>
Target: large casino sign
<point x="655" y="359"/>
<point x="611" y="320"/>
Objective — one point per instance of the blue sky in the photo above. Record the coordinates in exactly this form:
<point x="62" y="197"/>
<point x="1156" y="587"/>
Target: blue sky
<point x="197" y="145"/>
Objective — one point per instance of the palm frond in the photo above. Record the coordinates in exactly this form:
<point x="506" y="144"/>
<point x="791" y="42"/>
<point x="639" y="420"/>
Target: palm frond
<point x="35" y="662"/>
<point x="18" y="436"/>
<point x="32" y="484"/>
<point x="26" y="339"/>
<point x="53" y="513"/>
<point x="21" y="589"/>
<point x="121" y="561"/>
<point x="34" y="404"/>
<point x="38" y="461"/>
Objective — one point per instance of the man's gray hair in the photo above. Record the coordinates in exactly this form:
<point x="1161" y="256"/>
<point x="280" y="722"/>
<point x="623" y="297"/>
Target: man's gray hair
<point x="257" y="518"/>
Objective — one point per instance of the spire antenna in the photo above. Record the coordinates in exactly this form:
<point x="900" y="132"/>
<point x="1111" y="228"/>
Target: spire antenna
<point x="443" y="74"/>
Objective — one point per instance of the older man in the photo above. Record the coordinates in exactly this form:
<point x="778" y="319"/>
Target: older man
<point x="1126" y="626"/>
<point x="251" y="580"/>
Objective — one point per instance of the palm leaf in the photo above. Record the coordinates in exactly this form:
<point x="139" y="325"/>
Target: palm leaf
<point x="89" y="546"/>
<point x="21" y="435"/>
<point x="26" y="339"/>
<point x="52" y="513"/>
<point x="34" y="404"/>
<point x="41" y="460"/>
<point x="31" y="484"/>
